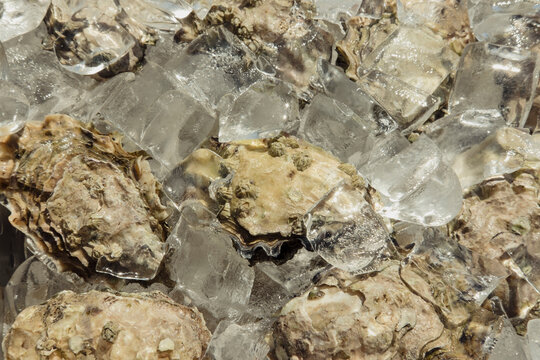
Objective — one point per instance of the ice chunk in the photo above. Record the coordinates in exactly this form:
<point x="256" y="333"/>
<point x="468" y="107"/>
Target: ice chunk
<point x="448" y="18"/>
<point x="415" y="55"/>
<point x="493" y="77"/>
<point x="503" y="152"/>
<point x="415" y="184"/>
<point x="159" y="14"/>
<point x="263" y="110"/>
<point x="457" y="133"/>
<point x="333" y="126"/>
<point x="345" y="230"/>
<point x="14" y="108"/>
<point x="48" y="88"/>
<point x="533" y="337"/>
<point x="232" y="341"/>
<point x="512" y="23"/>
<point x="336" y="11"/>
<point x="503" y="343"/>
<point x="214" y="64"/>
<point x="3" y="64"/>
<point x="201" y="7"/>
<point x="338" y="86"/>
<point x="449" y="275"/>
<point x="205" y="265"/>
<point x="175" y="125"/>
<point x="409" y="106"/>
<point x="18" y="17"/>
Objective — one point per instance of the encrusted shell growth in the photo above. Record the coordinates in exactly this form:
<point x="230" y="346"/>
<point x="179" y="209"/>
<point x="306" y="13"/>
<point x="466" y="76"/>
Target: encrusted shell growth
<point x="82" y="199"/>
<point x="105" y="325"/>
<point x="368" y="318"/>
<point x="270" y="184"/>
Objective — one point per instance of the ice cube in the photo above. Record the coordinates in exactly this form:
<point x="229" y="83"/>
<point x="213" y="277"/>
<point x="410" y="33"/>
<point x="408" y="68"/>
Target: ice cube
<point x="201" y="7"/>
<point x="3" y="63"/>
<point x="512" y="23"/>
<point x="457" y="133"/>
<point x="503" y="152"/>
<point x="18" y="17"/>
<point x="506" y="344"/>
<point x="336" y="11"/>
<point x="205" y="265"/>
<point x="448" y="18"/>
<point x="415" y="55"/>
<point x="345" y="230"/>
<point x="215" y="63"/>
<point x="158" y="14"/>
<point x="175" y="125"/>
<point x="263" y="110"/>
<point x="409" y="106"/>
<point x="232" y="341"/>
<point x="415" y="184"/>
<point x="493" y="77"/>
<point x="14" y="108"/>
<point x="533" y="337"/>
<point x="339" y="87"/>
<point x="449" y="275"/>
<point x="333" y="126"/>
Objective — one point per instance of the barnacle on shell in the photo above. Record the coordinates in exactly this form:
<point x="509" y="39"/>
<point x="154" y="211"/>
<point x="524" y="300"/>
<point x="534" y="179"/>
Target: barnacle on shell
<point x="82" y="199"/>
<point x="100" y="325"/>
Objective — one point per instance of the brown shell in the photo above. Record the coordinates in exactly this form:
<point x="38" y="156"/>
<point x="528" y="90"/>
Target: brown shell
<point x="82" y="199"/>
<point x="105" y="325"/>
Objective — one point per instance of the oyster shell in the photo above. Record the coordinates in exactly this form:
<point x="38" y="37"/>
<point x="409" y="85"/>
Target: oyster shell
<point x="269" y="185"/>
<point x="106" y="325"/>
<point x="370" y="317"/>
<point x="282" y="30"/>
<point x="97" y="37"/>
<point x="82" y="199"/>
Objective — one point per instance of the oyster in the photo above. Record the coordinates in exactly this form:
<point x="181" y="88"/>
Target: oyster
<point x="97" y="37"/>
<point x="369" y="317"/>
<point x="106" y="325"/>
<point x="82" y="199"/>
<point x="269" y="185"/>
<point x="282" y="30"/>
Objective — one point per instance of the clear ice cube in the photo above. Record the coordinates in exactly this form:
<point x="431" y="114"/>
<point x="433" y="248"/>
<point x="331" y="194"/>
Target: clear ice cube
<point x="175" y="125"/>
<point x="14" y="108"/>
<point x="339" y="87"/>
<point x="232" y="341"/>
<point x="506" y="344"/>
<point x="409" y="106"/>
<point x="511" y="23"/>
<point x="345" y="231"/>
<point x="416" y="56"/>
<point x="205" y="265"/>
<point x="449" y="275"/>
<point x="18" y="17"/>
<point x="503" y="152"/>
<point x="336" y="11"/>
<point x="333" y="126"/>
<point x="214" y="64"/>
<point x="415" y="184"/>
<point x="158" y="14"/>
<point x="262" y="110"/>
<point x="457" y="133"/>
<point x="493" y="77"/>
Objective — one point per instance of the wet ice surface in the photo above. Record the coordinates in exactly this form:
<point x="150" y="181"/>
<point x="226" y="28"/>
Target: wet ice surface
<point x="184" y="96"/>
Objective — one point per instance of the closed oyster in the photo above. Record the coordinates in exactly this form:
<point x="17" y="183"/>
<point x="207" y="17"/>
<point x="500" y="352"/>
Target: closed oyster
<point x="270" y="184"/>
<point x="82" y="199"/>
<point x="97" y="37"/>
<point x="105" y="325"/>
<point x="369" y="317"/>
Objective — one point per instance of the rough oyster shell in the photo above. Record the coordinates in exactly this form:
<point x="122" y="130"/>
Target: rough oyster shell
<point x="82" y="199"/>
<point x="104" y="325"/>
<point x="271" y="184"/>
<point x="373" y="317"/>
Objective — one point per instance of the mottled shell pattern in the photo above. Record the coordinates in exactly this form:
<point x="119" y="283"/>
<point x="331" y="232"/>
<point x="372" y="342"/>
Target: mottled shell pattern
<point x="107" y="325"/>
<point x="82" y="199"/>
